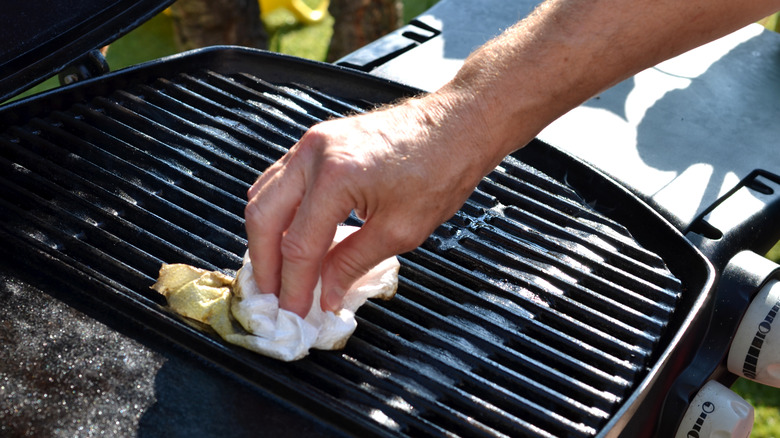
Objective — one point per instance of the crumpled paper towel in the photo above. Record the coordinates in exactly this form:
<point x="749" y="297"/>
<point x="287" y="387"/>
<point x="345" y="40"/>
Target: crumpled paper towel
<point x="242" y="315"/>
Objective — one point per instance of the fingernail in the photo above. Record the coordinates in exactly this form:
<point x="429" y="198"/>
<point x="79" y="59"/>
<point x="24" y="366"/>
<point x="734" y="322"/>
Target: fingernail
<point x="333" y="299"/>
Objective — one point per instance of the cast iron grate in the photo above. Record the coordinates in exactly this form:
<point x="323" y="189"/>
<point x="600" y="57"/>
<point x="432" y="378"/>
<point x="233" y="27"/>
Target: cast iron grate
<point x="527" y="314"/>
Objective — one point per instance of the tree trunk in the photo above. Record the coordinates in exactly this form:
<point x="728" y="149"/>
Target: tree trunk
<point x="359" y="22"/>
<point x="201" y="23"/>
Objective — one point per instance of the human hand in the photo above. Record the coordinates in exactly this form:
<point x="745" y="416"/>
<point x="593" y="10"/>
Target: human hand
<point x="403" y="170"/>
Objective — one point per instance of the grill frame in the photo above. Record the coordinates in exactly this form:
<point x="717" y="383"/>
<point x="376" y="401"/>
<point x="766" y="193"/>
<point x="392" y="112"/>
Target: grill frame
<point x="649" y="228"/>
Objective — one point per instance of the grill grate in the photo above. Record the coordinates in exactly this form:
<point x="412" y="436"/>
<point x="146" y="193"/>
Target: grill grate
<point x="527" y="314"/>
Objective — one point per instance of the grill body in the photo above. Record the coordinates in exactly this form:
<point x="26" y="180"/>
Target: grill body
<point x="551" y="304"/>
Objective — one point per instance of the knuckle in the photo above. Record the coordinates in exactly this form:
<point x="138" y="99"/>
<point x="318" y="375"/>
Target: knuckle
<point x="315" y="134"/>
<point x="402" y="239"/>
<point x="334" y="160"/>
<point x="253" y="212"/>
<point x="294" y="250"/>
<point x="315" y="140"/>
<point x="349" y="266"/>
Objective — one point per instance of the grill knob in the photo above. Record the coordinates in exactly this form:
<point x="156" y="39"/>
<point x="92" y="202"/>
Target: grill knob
<point x="716" y="412"/>
<point x="755" y="351"/>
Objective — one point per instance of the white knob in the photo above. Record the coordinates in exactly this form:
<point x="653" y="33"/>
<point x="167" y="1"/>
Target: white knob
<point x="755" y="351"/>
<point x="716" y="412"/>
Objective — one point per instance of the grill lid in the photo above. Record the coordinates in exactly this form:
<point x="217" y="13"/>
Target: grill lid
<point x="40" y="37"/>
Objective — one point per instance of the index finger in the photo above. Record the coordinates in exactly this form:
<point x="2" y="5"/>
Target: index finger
<point x="271" y="206"/>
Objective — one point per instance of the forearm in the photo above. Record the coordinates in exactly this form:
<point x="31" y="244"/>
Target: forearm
<point x="568" y="51"/>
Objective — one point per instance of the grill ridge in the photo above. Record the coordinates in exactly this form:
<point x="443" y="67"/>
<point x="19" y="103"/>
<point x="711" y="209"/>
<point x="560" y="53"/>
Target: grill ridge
<point x="466" y="392"/>
<point x="93" y="177"/>
<point x="575" y="293"/>
<point x="515" y="345"/>
<point x="527" y="314"/>
<point x="488" y="294"/>
<point x="574" y="266"/>
<point x="481" y="351"/>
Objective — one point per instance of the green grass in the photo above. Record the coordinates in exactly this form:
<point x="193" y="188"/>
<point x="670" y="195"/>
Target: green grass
<point x="766" y="402"/>
<point x="774" y="253"/>
<point x="154" y="39"/>
<point x="772" y="22"/>
<point x="413" y="8"/>
<point x="288" y="36"/>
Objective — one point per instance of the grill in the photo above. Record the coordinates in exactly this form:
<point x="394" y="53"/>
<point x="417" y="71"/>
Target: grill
<point x="542" y="308"/>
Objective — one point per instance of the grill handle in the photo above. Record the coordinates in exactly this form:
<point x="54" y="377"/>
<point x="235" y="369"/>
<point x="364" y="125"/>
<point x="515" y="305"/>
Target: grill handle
<point x="745" y="218"/>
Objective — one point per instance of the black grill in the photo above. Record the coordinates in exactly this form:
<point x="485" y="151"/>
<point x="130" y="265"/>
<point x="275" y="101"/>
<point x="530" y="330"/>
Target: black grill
<point x="529" y="313"/>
